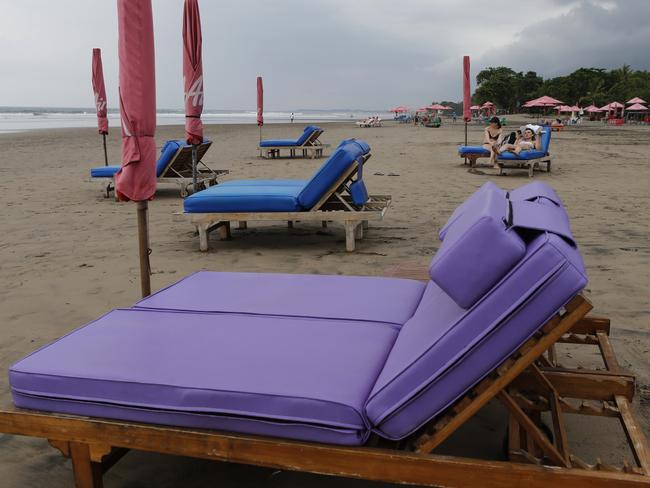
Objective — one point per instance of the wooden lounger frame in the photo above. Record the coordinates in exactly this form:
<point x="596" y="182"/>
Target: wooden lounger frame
<point x="312" y="147"/>
<point x="179" y="171"/>
<point x="525" y="383"/>
<point x="334" y="206"/>
<point x="528" y="164"/>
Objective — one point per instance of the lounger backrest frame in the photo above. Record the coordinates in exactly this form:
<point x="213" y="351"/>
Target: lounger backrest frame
<point x="180" y="165"/>
<point x="312" y="140"/>
<point x="347" y="175"/>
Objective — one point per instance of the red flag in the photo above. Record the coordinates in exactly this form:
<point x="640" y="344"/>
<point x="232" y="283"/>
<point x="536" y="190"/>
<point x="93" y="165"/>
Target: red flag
<point x="467" y="95"/>
<point x="260" y="102"/>
<point x="136" y="179"/>
<point x="100" y="91"/>
<point x="193" y="72"/>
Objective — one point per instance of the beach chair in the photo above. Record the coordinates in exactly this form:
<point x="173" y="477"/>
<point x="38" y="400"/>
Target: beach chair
<point x="174" y="165"/>
<point x="308" y="144"/>
<point x="336" y="192"/>
<point x="352" y="376"/>
<point x="529" y="160"/>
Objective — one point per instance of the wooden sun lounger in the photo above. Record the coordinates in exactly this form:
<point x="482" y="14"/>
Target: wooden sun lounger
<point x="312" y="147"/>
<point x="523" y="383"/>
<point x="529" y="164"/>
<point x="334" y="206"/>
<point x="179" y="171"/>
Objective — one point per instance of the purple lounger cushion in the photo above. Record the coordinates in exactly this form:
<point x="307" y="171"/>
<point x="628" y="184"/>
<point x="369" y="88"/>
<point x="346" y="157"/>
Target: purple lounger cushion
<point x="389" y="300"/>
<point x="291" y="377"/>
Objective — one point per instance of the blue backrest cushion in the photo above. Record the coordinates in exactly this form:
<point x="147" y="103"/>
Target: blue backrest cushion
<point x="166" y="154"/>
<point x="309" y="130"/>
<point x="331" y="170"/>
<point x="546" y="138"/>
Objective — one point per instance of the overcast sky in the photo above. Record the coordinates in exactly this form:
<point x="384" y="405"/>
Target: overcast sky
<point x="356" y="54"/>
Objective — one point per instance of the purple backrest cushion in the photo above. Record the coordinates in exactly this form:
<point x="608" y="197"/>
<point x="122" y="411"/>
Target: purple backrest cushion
<point x="478" y="250"/>
<point x="471" y="204"/>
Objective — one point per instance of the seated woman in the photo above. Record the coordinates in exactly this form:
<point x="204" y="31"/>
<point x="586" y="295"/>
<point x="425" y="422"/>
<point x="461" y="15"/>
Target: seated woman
<point x="492" y="139"/>
<point x="525" y="140"/>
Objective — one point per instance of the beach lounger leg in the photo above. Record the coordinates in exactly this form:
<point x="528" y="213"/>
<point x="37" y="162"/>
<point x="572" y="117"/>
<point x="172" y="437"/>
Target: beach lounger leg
<point x="358" y="231"/>
<point x="290" y="224"/>
<point x="87" y="474"/>
<point x="324" y="224"/>
<point x="349" y="235"/>
<point x="203" y="236"/>
<point x="224" y="231"/>
<point x="531" y="167"/>
<point x="365" y="224"/>
<point x="242" y="225"/>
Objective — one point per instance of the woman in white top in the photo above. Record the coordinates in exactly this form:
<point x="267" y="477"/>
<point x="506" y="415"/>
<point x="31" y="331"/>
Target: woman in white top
<point x="525" y="141"/>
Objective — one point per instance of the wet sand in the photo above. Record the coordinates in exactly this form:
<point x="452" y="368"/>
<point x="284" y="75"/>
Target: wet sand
<point x="67" y="255"/>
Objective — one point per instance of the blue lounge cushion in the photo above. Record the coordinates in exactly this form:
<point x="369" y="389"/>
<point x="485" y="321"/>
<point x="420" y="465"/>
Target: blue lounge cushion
<point x="359" y="193"/>
<point x="462" y="150"/>
<point x="309" y="130"/>
<point x="167" y="152"/>
<point x="331" y="170"/>
<point x="246" y="198"/>
<point x="300" y="183"/>
<point x="104" y="171"/>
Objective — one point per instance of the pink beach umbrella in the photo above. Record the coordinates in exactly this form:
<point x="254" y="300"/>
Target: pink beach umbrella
<point x="467" y="95"/>
<point x="634" y="100"/>
<point x="193" y="78"/>
<point x="260" y="104"/>
<point x="136" y="179"/>
<point x="637" y="107"/>
<point x="99" y="90"/>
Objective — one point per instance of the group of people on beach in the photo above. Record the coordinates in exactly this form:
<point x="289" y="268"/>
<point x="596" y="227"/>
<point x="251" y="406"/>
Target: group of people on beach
<point x="497" y="142"/>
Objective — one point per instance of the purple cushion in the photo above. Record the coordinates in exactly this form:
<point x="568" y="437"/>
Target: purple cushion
<point x="444" y="350"/>
<point x="478" y="250"/>
<point x="389" y="300"/>
<point x="474" y="202"/>
<point x="209" y="367"/>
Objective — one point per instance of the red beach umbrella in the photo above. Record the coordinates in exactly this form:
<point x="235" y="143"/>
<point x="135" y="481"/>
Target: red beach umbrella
<point x="136" y="179"/>
<point x="467" y="96"/>
<point x="193" y="79"/>
<point x="260" y="104"/>
<point x="99" y="89"/>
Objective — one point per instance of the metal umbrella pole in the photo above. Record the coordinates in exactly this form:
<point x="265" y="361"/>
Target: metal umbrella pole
<point x="194" y="164"/>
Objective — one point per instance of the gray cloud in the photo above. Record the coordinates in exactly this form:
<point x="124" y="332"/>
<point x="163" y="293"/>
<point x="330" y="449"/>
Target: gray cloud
<point x="321" y="54"/>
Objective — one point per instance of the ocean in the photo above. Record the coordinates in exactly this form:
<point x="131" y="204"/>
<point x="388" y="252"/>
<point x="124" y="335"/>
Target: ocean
<point x="19" y="119"/>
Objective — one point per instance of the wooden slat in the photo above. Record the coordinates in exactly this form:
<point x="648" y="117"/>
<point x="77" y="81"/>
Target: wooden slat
<point x="366" y="463"/>
<point x="636" y="439"/>
<point x="591" y="325"/>
<point x="607" y="352"/>
<point x="577" y="308"/>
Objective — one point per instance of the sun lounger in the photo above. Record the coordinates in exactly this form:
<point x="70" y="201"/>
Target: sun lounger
<point x="296" y="367"/>
<point x="369" y="122"/>
<point x="336" y="192"/>
<point x="308" y="144"/>
<point x="528" y="160"/>
<point x="174" y="165"/>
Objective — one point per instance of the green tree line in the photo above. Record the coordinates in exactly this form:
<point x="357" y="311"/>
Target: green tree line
<point x="509" y="89"/>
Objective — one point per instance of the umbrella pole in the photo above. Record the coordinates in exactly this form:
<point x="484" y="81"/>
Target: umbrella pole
<point x="143" y="243"/>
<point x="194" y="163"/>
<point x="260" y="133"/>
<point x="105" y="151"/>
<point x="466" y="138"/>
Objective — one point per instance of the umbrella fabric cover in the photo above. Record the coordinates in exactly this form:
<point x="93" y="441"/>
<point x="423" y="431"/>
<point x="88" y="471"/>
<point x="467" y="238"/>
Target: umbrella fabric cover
<point x="192" y="72"/>
<point x="136" y="179"/>
<point x="260" y="102"/>
<point x="467" y="97"/>
<point x="99" y="89"/>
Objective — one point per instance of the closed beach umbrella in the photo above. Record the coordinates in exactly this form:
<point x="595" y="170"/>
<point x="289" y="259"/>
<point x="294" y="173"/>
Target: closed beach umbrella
<point x="193" y="79"/>
<point x="467" y="95"/>
<point x="99" y="90"/>
<point x="136" y="179"/>
<point x="260" y="104"/>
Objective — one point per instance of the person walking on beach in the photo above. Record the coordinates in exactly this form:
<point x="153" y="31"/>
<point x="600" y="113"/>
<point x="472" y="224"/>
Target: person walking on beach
<point x="291" y="117"/>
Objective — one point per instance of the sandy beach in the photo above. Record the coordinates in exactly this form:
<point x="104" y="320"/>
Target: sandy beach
<point x="67" y="255"/>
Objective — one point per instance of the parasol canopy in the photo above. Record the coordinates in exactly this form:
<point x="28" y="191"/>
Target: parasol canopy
<point x="136" y="179"/>
<point x="260" y="102"/>
<point x="467" y="95"/>
<point x="99" y="89"/>
<point x="635" y="100"/>
<point x="637" y="107"/>
<point x="400" y="109"/>
<point x="544" y="101"/>
<point x="192" y="72"/>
